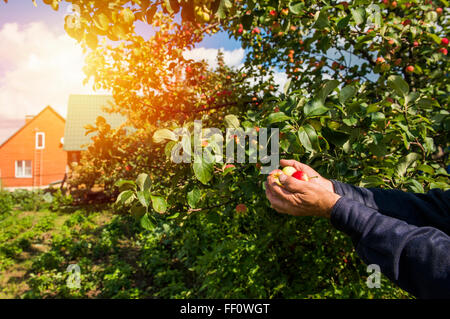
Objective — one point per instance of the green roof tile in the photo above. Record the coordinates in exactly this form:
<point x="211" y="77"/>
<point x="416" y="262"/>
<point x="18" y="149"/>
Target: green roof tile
<point x="83" y="110"/>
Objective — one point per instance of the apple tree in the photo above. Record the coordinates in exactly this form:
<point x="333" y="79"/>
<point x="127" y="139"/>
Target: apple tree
<point x="365" y="102"/>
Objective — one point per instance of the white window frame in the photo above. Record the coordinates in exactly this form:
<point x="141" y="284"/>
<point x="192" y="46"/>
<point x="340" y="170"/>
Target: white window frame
<point x="22" y="173"/>
<point x="37" y="140"/>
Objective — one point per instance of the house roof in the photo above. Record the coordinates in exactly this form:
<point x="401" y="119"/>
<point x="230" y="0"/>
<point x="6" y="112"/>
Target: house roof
<point x="48" y="108"/>
<point x="83" y="110"/>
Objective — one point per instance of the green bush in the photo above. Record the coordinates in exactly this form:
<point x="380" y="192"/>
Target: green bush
<point x="6" y="202"/>
<point x="60" y="201"/>
<point x="27" y="200"/>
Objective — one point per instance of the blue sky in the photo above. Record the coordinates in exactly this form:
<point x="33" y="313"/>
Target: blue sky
<point x="40" y="65"/>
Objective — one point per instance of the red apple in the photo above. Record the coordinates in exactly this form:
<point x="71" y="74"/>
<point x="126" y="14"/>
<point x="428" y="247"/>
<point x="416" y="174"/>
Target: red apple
<point x="444" y="42"/>
<point x="443" y="51"/>
<point x="241" y="208"/>
<point x="301" y="176"/>
<point x="380" y="60"/>
<point x="410" y="69"/>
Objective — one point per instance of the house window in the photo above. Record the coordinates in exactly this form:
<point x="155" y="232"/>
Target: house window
<point x="23" y="169"/>
<point x="40" y="141"/>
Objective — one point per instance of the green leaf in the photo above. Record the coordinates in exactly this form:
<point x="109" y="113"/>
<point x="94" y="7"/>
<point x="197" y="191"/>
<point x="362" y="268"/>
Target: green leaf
<point x="222" y="9"/>
<point x="322" y="20"/>
<point x="327" y="88"/>
<point x="406" y="162"/>
<point x="304" y="139"/>
<point x="287" y="86"/>
<point x="308" y="138"/>
<point x="148" y="222"/>
<point x="412" y="97"/>
<point x="359" y="15"/>
<point x="164" y="134"/>
<point x="193" y="197"/>
<point x="371" y="181"/>
<point x="434" y="37"/>
<point x="276" y="118"/>
<point x="125" y="198"/>
<point x="125" y="185"/>
<point x="346" y="93"/>
<point x="343" y="23"/>
<point x="415" y="187"/>
<point x="337" y="138"/>
<point x="169" y="147"/>
<point x="399" y="85"/>
<point x="159" y="204"/>
<point x="137" y="211"/>
<point x="144" y="198"/>
<point x="127" y="16"/>
<point x="231" y="121"/>
<point x="101" y="21"/>
<point x="425" y="168"/>
<point x="168" y="6"/>
<point x="174" y="216"/>
<point x="144" y="182"/>
<point x="314" y="108"/>
<point x="203" y="169"/>
<point x="150" y="14"/>
<point x="296" y="7"/>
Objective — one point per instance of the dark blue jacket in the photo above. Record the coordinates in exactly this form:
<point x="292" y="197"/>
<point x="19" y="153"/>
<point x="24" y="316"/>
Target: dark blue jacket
<point x="406" y="234"/>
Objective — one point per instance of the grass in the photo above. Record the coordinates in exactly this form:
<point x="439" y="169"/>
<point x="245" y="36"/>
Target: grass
<point x="26" y="236"/>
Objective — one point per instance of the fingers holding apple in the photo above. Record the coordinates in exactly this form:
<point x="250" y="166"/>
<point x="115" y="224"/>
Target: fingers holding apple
<point x="310" y="174"/>
<point x="300" y="198"/>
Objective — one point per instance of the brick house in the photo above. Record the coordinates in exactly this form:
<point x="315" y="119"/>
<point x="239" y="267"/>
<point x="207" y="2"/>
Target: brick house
<point x="33" y="157"/>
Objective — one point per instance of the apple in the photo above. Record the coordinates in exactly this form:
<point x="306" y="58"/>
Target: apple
<point x="380" y="60"/>
<point x="289" y="170"/>
<point x="439" y="11"/>
<point x="444" y="42"/>
<point x="256" y="30"/>
<point x="276" y="174"/>
<point x="443" y="51"/>
<point x="301" y="176"/>
<point x="241" y="208"/>
<point x="410" y="69"/>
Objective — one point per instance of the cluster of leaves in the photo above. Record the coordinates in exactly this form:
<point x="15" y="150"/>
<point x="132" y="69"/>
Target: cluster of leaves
<point x="19" y="232"/>
<point x="224" y="258"/>
<point x="31" y="200"/>
<point x="6" y="202"/>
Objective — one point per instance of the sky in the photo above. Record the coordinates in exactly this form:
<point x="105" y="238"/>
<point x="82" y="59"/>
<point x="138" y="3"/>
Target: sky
<point x="40" y="65"/>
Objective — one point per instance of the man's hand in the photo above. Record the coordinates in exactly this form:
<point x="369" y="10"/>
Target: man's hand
<point x="325" y="183"/>
<point x="300" y="198"/>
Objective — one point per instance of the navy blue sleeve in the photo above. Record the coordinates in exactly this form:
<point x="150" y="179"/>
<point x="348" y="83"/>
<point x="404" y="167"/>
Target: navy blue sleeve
<point x="430" y="209"/>
<point x="417" y="259"/>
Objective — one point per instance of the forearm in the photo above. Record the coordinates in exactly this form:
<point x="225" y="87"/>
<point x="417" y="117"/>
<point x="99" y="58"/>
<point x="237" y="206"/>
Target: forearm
<point x="416" y="258"/>
<point x="431" y="209"/>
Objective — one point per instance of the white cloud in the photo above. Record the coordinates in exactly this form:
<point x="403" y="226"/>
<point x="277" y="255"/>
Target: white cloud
<point x="37" y="68"/>
<point x="233" y="58"/>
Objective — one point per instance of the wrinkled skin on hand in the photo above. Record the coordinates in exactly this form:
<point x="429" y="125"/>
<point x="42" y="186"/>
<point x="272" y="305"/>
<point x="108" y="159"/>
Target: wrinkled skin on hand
<point x="299" y="198"/>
